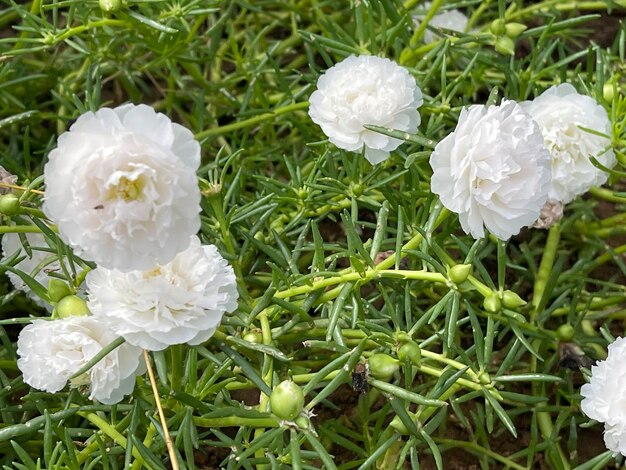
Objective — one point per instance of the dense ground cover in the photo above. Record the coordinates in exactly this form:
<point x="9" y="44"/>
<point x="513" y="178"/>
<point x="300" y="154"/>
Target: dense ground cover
<point x="336" y="260"/>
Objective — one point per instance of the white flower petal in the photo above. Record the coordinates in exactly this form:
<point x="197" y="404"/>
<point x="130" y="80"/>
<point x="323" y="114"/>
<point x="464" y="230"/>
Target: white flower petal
<point x="121" y="187"/>
<point x="604" y="397"/>
<point x="561" y="113"/>
<point x="50" y="352"/>
<point x="366" y="90"/>
<point x="179" y="302"/>
<point x="493" y="170"/>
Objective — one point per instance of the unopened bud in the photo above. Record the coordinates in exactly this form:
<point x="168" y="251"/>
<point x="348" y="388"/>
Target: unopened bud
<point x="459" y="273"/>
<point x="513" y="30"/>
<point x="505" y="45"/>
<point x="399" y="426"/>
<point x="511" y="300"/>
<point x="71" y="306"/>
<point x="110" y="6"/>
<point x="57" y="289"/>
<point x="410" y="351"/>
<point x="382" y="366"/>
<point x="9" y="204"/>
<point x="492" y="303"/>
<point x="287" y="400"/>
<point x="565" y="332"/>
<point x="498" y="27"/>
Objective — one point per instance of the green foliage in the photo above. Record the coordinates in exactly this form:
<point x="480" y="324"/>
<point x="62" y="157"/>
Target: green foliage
<point x="337" y="261"/>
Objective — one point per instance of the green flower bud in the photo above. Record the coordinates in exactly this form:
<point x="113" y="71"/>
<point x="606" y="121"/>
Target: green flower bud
<point x="513" y="30"/>
<point x="110" y="6"/>
<point x="411" y="351"/>
<point x="588" y="328"/>
<point x="498" y="27"/>
<point x="57" y="289"/>
<point x="459" y="273"/>
<point x="71" y="305"/>
<point x="511" y="300"/>
<point x="608" y="91"/>
<point x="403" y="337"/>
<point x="382" y="366"/>
<point x="253" y="337"/>
<point x="492" y="303"/>
<point x="9" y="204"/>
<point x="505" y="45"/>
<point x="303" y="422"/>
<point x="399" y="426"/>
<point x="484" y="378"/>
<point x="565" y="333"/>
<point x="287" y="400"/>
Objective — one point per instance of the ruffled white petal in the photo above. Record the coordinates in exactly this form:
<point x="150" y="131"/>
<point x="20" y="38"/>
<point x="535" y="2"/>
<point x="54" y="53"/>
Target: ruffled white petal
<point x="121" y="187"/>
<point x="604" y="397"/>
<point x="50" y="352"/>
<point x="493" y="170"/>
<point x="564" y="116"/>
<point x="179" y="302"/>
<point x="366" y="90"/>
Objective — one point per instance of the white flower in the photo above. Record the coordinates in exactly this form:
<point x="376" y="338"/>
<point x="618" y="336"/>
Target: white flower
<point x="180" y="302"/>
<point x="561" y="112"/>
<point x="452" y="19"/>
<point x="38" y="265"/>
<point x="604" y="397"/>
<point x="122" y="188"/>
<point x="366" y="90"/>
<point x="50" y="352"/>
<point x="493" y="170"/>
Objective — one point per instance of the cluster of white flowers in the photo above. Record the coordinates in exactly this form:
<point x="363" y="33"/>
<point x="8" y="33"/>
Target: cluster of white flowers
<point x="121" y="188"/>
<point x="604" y="396"/>
<point x="366" y="90"/>
<point x="505" y="167"/>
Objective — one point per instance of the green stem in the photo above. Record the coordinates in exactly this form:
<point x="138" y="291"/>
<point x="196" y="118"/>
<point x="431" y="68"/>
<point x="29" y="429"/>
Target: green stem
<point x="19" y="229"/>
<point x="252" y="121"/>
<point x="472" y="446"/>
<point x="545" y="268"/>
<point x="108" y="430"/>
<point x="369" y="275"/>
<point x="560" y="6"/>
<point x="236" y="421"/>
<point x="607" y="195"/>
<point x="543" y="273"/>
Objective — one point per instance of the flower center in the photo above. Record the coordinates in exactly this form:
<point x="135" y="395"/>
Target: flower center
<point x="127" y="189"/>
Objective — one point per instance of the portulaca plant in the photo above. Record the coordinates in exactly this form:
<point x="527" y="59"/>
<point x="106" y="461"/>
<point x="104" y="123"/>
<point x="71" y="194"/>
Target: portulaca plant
<point x="312" y="235"/>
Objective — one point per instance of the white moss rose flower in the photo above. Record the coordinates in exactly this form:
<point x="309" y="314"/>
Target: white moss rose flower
<point x="180" y="302"/>
<point x="121" y="186"/>
<point x="38" y="264"/>
<point x="605" y="394"/>
<point x="366" y="90"/>
<point x="562" y="113"/>
<point x="451" y="19"/>
<point x="493" y="170"/>
<point x="50" y="352"/>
